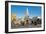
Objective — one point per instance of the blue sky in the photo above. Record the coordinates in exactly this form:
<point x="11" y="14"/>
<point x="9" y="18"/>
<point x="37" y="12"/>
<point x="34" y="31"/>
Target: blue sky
<point x="20" y="10"/>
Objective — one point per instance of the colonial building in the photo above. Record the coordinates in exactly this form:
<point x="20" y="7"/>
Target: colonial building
<point x="26" y="18"/>
<point x="15" y="21"/>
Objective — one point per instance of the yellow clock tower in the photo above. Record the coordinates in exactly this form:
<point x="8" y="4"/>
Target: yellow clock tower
<point x="13" y="18"/>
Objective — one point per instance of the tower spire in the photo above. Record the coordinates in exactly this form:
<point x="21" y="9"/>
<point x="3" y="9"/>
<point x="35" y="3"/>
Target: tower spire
<point x="27" y="13"/>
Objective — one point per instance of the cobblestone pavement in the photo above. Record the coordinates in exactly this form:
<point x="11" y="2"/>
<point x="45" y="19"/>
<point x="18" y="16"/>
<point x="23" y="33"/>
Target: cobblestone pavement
<point x="13" y="26"/>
